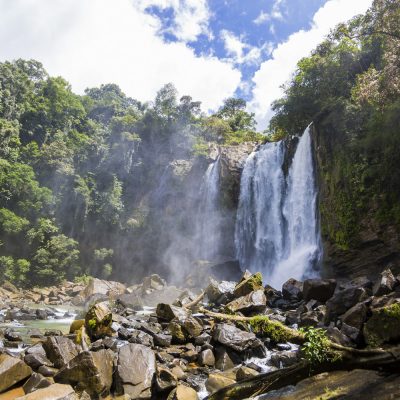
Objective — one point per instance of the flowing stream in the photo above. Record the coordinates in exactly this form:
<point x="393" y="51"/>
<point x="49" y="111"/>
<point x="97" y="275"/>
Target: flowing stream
<point x="277" y="230"/>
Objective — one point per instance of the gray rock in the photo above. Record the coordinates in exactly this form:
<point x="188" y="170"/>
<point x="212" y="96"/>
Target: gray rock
<point x="234" y="338"/>
<point x="35" y="357"/>
<point x="206" y="358"/>
<point x="35" y="382"/>
<point x="60" y="350"/>
<point x="292" y="290"/>
<point x="167" y="312"/>
<point x="162" y="340"/>
<point x="91" y="371"/>
<point x="355" y="316"/>
<point x="284" y="359"/>
<point x="219" y="292"/>
<point x="244" y="373"/>
<point x="136" y="367"/>
<point x="253" y="302"/>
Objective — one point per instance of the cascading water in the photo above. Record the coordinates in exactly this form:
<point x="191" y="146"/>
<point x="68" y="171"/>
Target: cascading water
<point x="277" y="229"/>
<point x="208" y="219"/>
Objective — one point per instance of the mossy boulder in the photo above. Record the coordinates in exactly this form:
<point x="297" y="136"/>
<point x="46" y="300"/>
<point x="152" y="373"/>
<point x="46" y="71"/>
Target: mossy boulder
<point x="98" y="321"/>
<point x="248" y="285"/>
<point x="383" y="326"/>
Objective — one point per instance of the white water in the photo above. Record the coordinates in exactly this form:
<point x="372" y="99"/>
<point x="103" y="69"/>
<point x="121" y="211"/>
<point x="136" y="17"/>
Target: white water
<point x="208" y="227"/>
<point x="277" y="229"/>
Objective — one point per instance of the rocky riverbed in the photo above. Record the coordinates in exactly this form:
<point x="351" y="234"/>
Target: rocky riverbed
<point x="156" y="341"/>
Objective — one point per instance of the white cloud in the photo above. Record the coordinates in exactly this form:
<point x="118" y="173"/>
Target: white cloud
<point x="274" y="72"/>
<point x="241" y="52"/>
<point x="276" y="13"/>
<point x="90" y="42"/>
<point x="190" y="16"/>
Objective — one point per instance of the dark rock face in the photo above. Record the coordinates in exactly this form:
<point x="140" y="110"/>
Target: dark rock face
<point x="318" y="289"/>
<point x="91" y="371"/>
<point x="292" y="290"/>
<point x="385" y="283"/>
<point x="136" y="367"/>
<point x="36" y="356"/>
<point x="355" y="243"/>
<point x="35" y="382"/>
<point x="12" y="371"/>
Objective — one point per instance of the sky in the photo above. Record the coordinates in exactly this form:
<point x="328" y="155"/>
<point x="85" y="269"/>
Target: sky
<point x="209" y="49"/>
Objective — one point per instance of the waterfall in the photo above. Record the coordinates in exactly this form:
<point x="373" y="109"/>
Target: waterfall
<point x="277" y="230"/>
<point x="208" y="232"/>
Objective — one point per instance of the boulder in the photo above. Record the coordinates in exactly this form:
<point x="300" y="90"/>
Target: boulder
<point x="218" y="381"/>
<point x="165" y="379"/>
<point x="254" y="302"/>
<point x="272" y="295"/>
<point x="219" y="292"/>
<point x="89" y="371"/>
<point x="35" y="357"/>
<point x="234" y="338"/>
<point x="318" y="289"/>
<point x="192" y="327"/>
<point x="76" y="325"/>
<point x="284" y="359"/>
<point x="12" y="371"/>
<point x="135" y="370"/>
<point x="98" y="321"/>
<point x="183" y="392"/>
<point x="168" y="312"/>
<point x="60" y="350"/>
<point x="355" y="316"/>
<point x="35" y="382"/>
<point x="52" y="392"/>
<point x="343" y="300"/>
<point x="292" y="290"/>
<point x="245" y="372"/>
<point x="248" y="284"/>
<point x="383" y="326"/>
<point x="162" y="340"/>
<point x="206" y="358"/>
<point x="385" y="283"/>
<point x="177" y="333"/>
<point x="153" y="282"/>
<point x="98" y="286"/>
<point x="12" y="336"/>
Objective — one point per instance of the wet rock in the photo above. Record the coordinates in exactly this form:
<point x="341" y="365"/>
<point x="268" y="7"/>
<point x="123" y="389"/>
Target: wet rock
<point x="383" y="326"/>
<point x="218" y="381"/>
<point x="202" y="339"/>
<point x="41" y="314"/>
<point x="248" y="284"/>
<point x="244" y="373"/>
<point x="98" y="321"/>
<point x="343" y="300"/>
<point x="35" y="357"/>
<point x="177" y="332"/>
<point x="136" y="367"/>
<point x="234" y="338"/>
<point x="89" y="371"/>
<point x="292" y="290"/>
<point x="76" y="325"/>
<point x="165" y="379"/>
<point x="162" y="340"/>
<point x="251" y="303"/>
<point x="338" y="337"/>
<point x="311" y="318"/>
<point x="224" y="361"/>
<point x="167" y="312"/>
<point x="179" y="372"/>
<point x="284" y="359"/>
<point x="183" y="392"/>
<point x="351" y="332"/>
<point x="12" y="371"/>
<point x="35" y="382"/>
<point x="206" y="358"/>
<point x="60" y="350"/>
<point x="52" y="392"/>
<point x="385" y="283"/>
<point x="219" y="292"/>
<point x="318" y="289"/>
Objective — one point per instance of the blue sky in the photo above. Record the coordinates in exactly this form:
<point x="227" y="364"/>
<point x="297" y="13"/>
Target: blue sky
<point x="210" y="49"/>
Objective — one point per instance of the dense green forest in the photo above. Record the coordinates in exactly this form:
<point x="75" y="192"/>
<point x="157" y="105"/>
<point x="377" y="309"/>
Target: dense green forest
<point x="73" y="167"/>
<point x="350" y="88"/>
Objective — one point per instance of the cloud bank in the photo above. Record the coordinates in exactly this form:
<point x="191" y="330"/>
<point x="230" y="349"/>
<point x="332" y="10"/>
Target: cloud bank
<point x="276" y="71"/>
<point x="90" y="42"/>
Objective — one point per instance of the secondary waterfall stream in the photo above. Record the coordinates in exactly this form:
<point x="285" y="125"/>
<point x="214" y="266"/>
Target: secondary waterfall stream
<point x="277" y="230"/>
